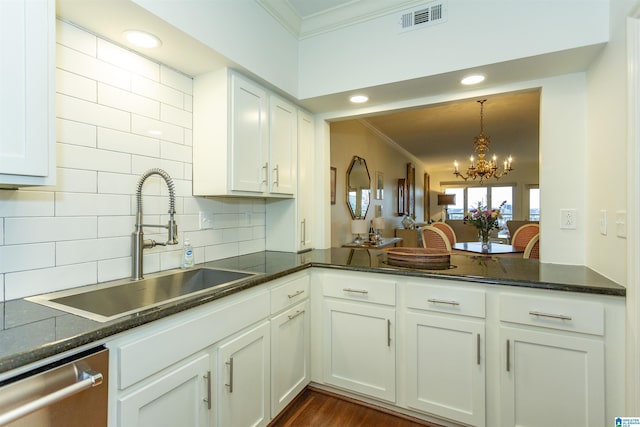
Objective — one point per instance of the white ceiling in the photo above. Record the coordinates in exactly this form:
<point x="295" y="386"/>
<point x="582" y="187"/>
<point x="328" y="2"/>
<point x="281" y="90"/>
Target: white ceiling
<point x="428" y="139"/>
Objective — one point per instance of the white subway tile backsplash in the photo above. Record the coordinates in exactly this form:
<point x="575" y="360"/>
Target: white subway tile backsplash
<point x="49" y="229"/>
<point x="75" y="38"/>
<point x="153" y="89"/>
<point x="125" y="100"/>
<point x="176" y="80"/>
<point x="76" y="85"/>
<point x="76" y="180"/>
<point x="32" y="282"/>
<point x="78" y="157"/>
<point x="26" y="203"/>
<point x="112" y="226"/>
<point x="118" y="115"/>
<point x="83" y="204"/>
<point x="177" y="116"/>
<point x="122" y="58"/>
<point x="162" y="130"/>
<point x="109" y="139"/>
<point x="177" y="152"/>
<point x="113" y="269"/>
<point x="26" y="257"/>
<point x="89" y="112"/>
<point x="76" y="133"/>
<point x="92" y="68"/>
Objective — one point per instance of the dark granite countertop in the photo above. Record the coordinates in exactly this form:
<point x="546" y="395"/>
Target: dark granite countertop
<point x="31" y="332"/>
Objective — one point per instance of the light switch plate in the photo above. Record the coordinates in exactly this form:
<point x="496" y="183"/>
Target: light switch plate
<point x="568" y="218"/>
<point x="621" y="224"/>
<point x="603" y="222"/>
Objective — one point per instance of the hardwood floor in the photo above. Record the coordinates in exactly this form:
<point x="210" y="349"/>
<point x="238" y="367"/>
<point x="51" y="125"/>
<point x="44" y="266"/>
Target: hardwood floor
<point x="319" y="408"/>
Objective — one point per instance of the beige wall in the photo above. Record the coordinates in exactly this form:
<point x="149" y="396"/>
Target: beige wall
<point x="351" y="138"/>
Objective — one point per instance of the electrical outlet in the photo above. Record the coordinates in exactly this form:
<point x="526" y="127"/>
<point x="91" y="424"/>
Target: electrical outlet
<point x="603" y="222"/>
<point x="568" y="218"/>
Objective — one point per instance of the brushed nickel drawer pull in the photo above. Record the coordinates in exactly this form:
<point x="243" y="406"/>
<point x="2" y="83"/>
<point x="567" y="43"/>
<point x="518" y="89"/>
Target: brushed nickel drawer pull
<point x="357" y="291"/>
<point x="443" y="301"/>
<point x="296" y="293"/>
<point x="388" y="333"/>
<point x="550" y="315"/>
<point x="478" y="349"/>
<point x="508" y="355"/>
<point x="230" y="364"/>
<point x="296" y="314"/>
<point x="208" y="399"/>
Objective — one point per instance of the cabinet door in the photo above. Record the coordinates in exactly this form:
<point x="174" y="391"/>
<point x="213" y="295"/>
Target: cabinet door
<point x="243" y="379"/>
<point x="27" y="133"/>
<point x="551" y="379"/>
<point x="283" y="145"/>
<point x="446" y="367"/>
<point x="249" y="167"/>
<point x="305" y="193"/>
<point x="289" y="355"/>
<point x="359" y="348"/>
<point x="175" y="398"/>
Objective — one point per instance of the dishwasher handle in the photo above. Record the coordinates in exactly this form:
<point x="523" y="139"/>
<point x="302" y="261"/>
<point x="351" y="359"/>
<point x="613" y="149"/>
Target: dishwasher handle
<point x="87" y="380"/>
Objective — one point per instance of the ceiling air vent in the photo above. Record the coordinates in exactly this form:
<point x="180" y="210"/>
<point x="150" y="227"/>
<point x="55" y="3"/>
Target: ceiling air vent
<point x="423" y="16"/>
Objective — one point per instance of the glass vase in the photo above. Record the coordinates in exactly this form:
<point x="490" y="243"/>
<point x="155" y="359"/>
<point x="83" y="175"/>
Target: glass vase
<point x="484" y="238"/>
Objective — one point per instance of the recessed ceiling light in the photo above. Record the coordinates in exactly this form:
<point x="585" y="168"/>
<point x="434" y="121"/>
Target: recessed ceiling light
<point x="359" y="99"/>
<point x="472" y="79"/>
<point x="142" y="39"/>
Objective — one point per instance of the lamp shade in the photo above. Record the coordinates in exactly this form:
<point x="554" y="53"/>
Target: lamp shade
<point x="359" y="226"/>
<point x="446" y="199"/>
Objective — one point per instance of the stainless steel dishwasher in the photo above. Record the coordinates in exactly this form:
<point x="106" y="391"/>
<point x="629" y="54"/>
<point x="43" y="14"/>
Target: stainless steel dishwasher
<point x="72" y="392"/>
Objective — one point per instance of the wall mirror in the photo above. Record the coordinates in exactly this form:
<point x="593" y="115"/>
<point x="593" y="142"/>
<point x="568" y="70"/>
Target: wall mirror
<point x="358" y="188"/>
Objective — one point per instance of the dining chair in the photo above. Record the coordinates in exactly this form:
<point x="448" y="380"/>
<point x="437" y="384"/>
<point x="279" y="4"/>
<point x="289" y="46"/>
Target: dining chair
<point x="533" y="248"/>
<point x="434" y="238"/>
<point x="447" y="230"/>
<point x="524" y="234"/>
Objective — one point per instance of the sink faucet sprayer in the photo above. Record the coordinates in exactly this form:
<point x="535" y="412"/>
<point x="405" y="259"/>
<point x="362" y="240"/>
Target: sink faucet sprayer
<point x="139" y="243"/>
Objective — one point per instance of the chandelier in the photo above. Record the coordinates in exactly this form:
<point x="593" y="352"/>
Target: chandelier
<point x="483" y="168"/>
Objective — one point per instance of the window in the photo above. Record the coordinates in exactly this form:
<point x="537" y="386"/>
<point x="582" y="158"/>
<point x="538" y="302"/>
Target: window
<point x="469" y="197"/>
<point x="534" y="204"/>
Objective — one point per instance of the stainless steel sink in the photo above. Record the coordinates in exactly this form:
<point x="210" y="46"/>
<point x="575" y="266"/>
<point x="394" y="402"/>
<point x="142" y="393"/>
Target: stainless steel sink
<point x="110" y="301"/>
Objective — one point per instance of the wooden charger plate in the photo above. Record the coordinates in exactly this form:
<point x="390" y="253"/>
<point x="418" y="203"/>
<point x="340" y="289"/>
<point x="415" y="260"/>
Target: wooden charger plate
<point x="427" y="258"/>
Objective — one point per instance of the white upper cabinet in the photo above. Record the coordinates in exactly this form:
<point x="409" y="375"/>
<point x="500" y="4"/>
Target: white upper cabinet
<point x="245" y="139"/>
<point x="27" y="84"/>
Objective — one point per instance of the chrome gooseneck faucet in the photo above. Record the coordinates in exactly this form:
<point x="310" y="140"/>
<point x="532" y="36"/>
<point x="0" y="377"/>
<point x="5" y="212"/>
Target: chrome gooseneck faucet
<point x="139" y="243"/>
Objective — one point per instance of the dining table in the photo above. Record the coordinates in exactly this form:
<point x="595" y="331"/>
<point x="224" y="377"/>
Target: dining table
<point x="494" y="248"/>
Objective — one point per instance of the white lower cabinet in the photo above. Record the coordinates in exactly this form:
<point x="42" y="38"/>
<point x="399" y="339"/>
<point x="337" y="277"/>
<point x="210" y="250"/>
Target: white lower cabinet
<point x="359" y="348"/>
<point x="242" y="384"/>
<point x="179" y="397"/>
<point x="446" y="367"/>
<point x="289" y="355"/>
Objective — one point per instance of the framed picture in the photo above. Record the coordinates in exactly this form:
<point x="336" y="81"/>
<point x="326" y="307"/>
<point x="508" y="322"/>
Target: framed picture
<point x="402" y="189"/>
<point x="427" y="197"/>
<point x="410" y="196"/>
<point x="379" y="188"/>
<point x="333" y="185"/>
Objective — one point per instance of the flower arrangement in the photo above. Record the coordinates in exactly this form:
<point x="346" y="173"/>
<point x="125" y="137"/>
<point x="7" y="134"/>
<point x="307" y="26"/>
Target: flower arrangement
<point x="484" y="220"/>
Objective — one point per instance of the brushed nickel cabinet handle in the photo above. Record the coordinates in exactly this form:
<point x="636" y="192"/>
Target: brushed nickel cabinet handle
<point x="478" y="348"/>
<point x="443" y="301"/>
<point x="356" y="291"/>
<point x="296" y="314"/>
<point x="296" y="293"/>
<point x="230" y="365"/>
<point x="508" y="356"/>
<point x="265" y="173"/>
<point x="550" y="315"/>
<point x="303" y="231"/>
<point x="208" y="399"/>
<point x="277" y="173"/>
<point x="388" y="333"/>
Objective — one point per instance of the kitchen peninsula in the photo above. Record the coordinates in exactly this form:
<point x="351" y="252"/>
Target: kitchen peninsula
<point x="485" y="292"/>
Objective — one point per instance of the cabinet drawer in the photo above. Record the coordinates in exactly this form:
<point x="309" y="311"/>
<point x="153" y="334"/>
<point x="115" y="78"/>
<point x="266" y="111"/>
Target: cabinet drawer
<point x="552" y="312"/>
<point x="360" y="288"/>
<point x="446" y="299"/>
<point x="289" y="293"/>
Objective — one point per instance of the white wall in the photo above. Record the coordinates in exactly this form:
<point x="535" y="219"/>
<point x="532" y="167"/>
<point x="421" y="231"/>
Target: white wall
<point x="79" y="232"/>
<point x="240" y="30"/>
<point x="476" y="33"/>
